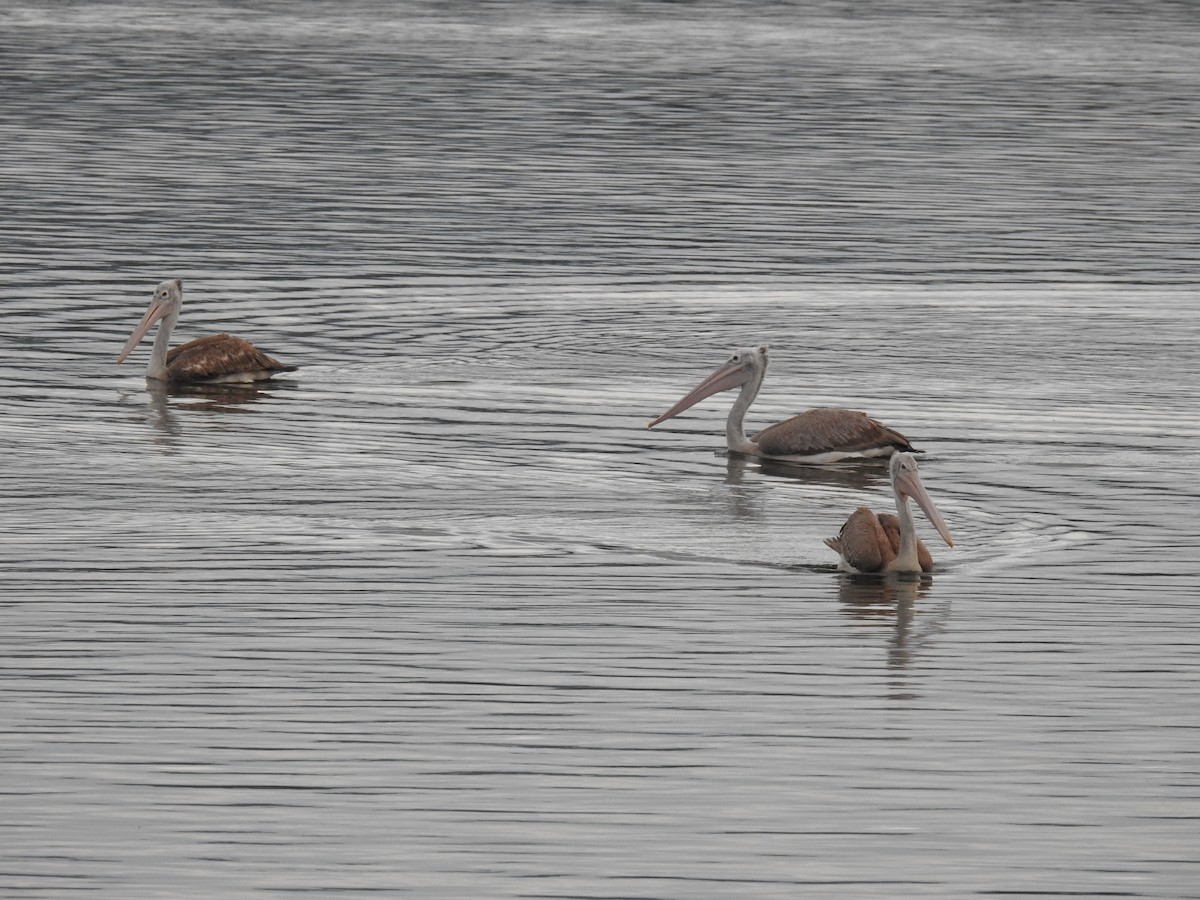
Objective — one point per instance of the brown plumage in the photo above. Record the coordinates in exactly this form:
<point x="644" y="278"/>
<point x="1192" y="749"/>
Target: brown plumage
<point x="816" y="430"/>
<point x="217" y="358"/>
<point x="870" y="541"/>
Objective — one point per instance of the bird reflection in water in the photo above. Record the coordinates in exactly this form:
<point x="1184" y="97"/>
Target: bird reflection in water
<point x="742" y="470"/>
<point x="166" y="399"/>
<point x="893" y="598"/>
<point x="857" y="476"/>
<point x="748" y="503"/>
<point x="231" y="397"/>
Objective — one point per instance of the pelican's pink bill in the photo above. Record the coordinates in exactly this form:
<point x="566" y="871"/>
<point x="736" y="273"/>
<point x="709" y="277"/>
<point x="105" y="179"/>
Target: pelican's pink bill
<point x="153" y="314"/>
<point x="910" y="484"/>
<point x="731" y="375"/>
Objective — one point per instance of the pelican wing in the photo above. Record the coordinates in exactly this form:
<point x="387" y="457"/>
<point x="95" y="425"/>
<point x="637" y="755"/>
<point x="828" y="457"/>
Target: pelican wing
<point x="862" y="542"/>
<point x="891" y="527"/>
<point x="826" y="430"/>
<point x="220" y="355"/>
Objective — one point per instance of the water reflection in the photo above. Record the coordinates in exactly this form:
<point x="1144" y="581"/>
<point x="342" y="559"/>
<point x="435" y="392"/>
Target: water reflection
<point x="857" y="477"/>
<point x="161" y="417"/>
<point x="872" y="596"/>
<point x="214" y="397"/>
<point x="163" y="403"/>
<point x="746" y="502"/>
<point x="884" y="598"/>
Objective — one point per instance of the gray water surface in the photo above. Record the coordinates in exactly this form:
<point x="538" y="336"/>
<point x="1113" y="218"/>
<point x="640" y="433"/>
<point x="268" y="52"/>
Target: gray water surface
<point x="436" y="615"/>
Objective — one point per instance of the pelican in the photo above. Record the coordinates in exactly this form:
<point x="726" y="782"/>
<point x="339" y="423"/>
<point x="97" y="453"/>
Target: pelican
<point x="815" y="436"/>
<point x="216" y="358"/>
<point x="871" y="542"/>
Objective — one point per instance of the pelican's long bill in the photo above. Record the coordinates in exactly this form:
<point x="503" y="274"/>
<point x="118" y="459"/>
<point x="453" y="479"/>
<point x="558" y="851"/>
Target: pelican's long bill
<point x="156" y="311"/>
<point x="908" y="484"/>
<point x="733" y="374"/>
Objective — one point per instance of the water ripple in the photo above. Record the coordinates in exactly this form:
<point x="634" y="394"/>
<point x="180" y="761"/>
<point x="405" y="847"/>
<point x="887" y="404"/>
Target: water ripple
<point x="437" y="614"/>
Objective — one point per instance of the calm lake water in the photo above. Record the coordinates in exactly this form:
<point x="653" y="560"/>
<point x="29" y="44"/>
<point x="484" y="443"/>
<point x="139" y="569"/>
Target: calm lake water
<point x="436" y="615"/>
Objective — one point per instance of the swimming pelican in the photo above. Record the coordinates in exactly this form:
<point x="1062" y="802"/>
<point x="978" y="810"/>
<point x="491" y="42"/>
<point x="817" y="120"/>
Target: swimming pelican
<point x="815" y="436"/>
<point x="216" y="358"/>
<point x="871" y="542"/>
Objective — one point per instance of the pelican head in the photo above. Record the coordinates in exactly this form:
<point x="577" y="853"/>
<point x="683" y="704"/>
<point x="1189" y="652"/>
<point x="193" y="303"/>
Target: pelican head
<point x="746" y="365"/>
<point x="906" y="482"/>
<point x="166" y="303"/>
